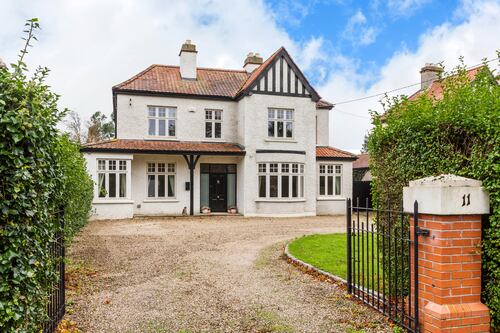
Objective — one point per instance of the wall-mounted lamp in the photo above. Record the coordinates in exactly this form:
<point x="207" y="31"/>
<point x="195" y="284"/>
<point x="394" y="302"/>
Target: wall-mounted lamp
<point x="130" y="102"/>
<point x="192" y="109"/>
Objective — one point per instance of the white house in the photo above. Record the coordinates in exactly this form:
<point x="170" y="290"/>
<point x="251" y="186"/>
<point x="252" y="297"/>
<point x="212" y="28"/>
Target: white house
<point x="190" y="137"/>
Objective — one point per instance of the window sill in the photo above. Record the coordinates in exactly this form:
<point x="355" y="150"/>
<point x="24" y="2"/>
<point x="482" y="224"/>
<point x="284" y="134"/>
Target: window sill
<point x="213" y="140"/>
<point x="332" y="198"/>
<point x="160" y="200"/>
<point x="112" y="201"/>
<point x="279" y="200"/>
<point x="161" y="138"/>
<point x="280" y="140"/>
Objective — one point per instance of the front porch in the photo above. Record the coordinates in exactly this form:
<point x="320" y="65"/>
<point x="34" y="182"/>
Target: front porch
<point x="163" y="178"/>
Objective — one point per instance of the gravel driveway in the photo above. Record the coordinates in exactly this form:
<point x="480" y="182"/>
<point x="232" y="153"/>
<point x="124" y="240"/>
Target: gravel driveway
<point x="208" y="274"/>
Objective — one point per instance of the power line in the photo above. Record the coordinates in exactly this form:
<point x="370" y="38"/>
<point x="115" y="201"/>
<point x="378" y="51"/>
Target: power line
<point x="351" y="114"/>
<point x="404" y="87"/>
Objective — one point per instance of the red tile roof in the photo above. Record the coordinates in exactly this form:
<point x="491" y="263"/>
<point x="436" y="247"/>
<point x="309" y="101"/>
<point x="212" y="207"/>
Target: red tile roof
<point x="362" y="162"/>
<point x="435" y="90"/>
<point x="210" y="82"/>
<point x="164" y="147"/>
<point x="326" y="152"/>
<point x="167" y="79"/>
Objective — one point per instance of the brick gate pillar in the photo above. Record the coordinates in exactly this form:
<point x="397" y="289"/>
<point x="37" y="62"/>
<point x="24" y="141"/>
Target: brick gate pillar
<point x="449" y="257"/>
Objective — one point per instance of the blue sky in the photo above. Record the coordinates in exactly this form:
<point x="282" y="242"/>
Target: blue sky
<point x="348" y="49"/>
<point x="388" y="26"/>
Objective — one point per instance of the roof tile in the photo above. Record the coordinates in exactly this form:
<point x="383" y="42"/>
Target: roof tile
<point x="333" y="153"/>
<point x="121" y="145"/>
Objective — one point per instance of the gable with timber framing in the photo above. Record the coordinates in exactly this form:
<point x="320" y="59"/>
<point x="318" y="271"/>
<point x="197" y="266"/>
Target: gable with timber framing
<point x="279" y="75"/>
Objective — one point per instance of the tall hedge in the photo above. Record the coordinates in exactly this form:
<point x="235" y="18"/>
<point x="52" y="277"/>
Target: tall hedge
<point x="37" y="171"/>
<point x="458" y="134"/>
<point x="77" y="187"/>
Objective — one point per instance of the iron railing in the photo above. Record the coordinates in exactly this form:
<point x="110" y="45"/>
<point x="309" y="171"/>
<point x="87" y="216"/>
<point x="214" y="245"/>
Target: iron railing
<point x="381" y="257"/>
<point x="56" y="305"/>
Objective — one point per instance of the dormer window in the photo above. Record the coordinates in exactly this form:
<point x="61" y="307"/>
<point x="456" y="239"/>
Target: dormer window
<point x="280" y="123"/>
<point x="161" y="121"/>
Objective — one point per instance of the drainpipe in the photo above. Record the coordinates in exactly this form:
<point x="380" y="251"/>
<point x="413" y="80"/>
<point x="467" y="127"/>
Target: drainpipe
<point x="191" y="161"/>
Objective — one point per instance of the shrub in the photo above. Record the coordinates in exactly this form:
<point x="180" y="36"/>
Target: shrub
<point x="458" y="134"/>
<point x="38" y="169"/>
<point x="76" y="196"/>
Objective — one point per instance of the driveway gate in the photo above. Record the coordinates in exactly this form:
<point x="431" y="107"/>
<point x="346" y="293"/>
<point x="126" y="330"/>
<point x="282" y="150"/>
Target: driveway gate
<point x="380" y="256"/>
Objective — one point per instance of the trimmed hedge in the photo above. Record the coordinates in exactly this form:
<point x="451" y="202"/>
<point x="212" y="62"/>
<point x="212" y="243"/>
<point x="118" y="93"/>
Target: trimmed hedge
<point x="459" y="134"/>
<point x="40" y="171"/>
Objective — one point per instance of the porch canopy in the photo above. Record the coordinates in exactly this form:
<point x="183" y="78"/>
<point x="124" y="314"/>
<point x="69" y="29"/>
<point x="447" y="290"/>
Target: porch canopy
<point x="190" y="150"/>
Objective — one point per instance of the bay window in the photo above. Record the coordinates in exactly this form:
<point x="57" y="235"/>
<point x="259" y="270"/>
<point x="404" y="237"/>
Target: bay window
<point x="161" y="121"/>
<point x="280" y="123"/>
<point x="281" y="180"/>
<point x="161" y="180"/>
<point x="111" y="178"/>
<point x="330" y="180"/>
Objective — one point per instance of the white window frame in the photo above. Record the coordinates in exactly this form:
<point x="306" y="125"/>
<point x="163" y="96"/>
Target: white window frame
<point x="106" y="167"/>
<point x="210" y="118"/>
<point x="281" y="170"/>
<point x="159" y="114"/>
<point x="283" y="116"/>
<point x="169" y="169"/>
<point x="335" y="171"/>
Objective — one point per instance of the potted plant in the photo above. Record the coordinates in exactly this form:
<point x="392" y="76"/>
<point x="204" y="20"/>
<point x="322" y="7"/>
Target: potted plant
<point x="232" y="210"/>
<point x="206" y="210"/>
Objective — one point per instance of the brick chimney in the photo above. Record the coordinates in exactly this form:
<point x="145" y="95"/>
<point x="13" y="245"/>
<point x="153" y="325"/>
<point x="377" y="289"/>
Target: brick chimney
<point x="428" y="74"/>
<point x="188" y="60"/>
<point x="252" y="61"/>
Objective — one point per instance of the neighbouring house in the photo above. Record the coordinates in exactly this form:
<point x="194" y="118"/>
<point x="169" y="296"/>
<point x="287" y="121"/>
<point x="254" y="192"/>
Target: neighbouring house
<point x="431" y="84"/>
<point x="361" y="180"/>
<point x="192" y="140"/>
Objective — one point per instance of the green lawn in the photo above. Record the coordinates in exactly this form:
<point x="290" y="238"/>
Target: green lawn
<point x="328" y="253"/>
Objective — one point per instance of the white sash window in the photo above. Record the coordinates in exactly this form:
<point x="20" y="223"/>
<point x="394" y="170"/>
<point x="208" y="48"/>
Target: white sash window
<point x="111" y="178"/>
<point x="330" y="180"/>
<point x="281" y="180"/>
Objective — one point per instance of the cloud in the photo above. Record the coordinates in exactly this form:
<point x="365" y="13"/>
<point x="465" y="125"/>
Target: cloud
<point x="405" y="7"/>
<point x="474" y="38"/>
<point x="92" y="45"/>
<point x="358" y="32"/>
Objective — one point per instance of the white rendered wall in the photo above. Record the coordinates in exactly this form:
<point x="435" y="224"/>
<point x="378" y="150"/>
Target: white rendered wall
<point x="132" y="120"/>
<point x="335" y="205"/>
<point x="323" y="127"/>
<point x="115" y="208"/>
<point x="255" y="109"/>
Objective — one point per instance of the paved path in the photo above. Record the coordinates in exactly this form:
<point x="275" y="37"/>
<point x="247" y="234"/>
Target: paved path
<point x="208" y="274"/>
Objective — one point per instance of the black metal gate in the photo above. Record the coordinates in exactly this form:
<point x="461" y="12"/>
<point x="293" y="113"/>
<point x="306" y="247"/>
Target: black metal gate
<point x="381" y="255"/>
<point x="56" y="306"/>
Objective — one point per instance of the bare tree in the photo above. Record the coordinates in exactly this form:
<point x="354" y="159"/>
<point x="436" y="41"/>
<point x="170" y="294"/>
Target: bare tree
<point x="75" y="127"/>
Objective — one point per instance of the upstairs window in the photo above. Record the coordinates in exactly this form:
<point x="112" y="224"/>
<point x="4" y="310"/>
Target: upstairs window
<point x="330" y="180"/>
<point x="161" y="180"/>
<point x="213" y="124"/>
<point x="280" y="123"/>
<point x="161" y="121"/>
<point x="281" y="180"/>
<point x="112" y="178"/>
